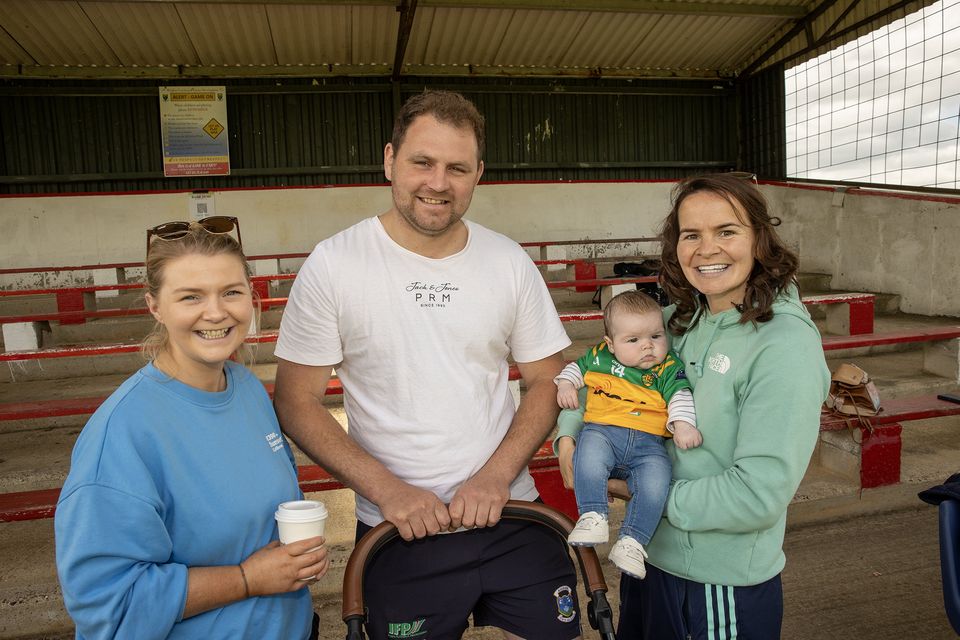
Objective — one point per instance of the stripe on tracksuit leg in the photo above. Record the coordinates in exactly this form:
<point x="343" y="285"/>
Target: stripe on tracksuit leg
<point x="710" y="604"/>
<point x="721" y="612"/>
<point x="731" y="613"/>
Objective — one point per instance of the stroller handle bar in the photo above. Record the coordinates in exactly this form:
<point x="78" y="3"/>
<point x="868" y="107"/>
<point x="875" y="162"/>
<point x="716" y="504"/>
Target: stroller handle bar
<point x="385" y="532"/>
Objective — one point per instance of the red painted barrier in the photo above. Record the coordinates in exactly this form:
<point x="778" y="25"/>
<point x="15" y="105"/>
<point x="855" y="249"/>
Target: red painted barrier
<point x="834" y="343"/>
<point x="36" y="505"/>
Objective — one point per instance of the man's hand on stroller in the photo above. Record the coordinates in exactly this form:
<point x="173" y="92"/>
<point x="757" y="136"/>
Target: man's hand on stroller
<point x="478" y="502"/>
<point x="416" y="513"/>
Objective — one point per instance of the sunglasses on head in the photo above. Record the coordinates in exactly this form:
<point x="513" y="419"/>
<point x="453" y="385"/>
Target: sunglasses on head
<point x="746" y="176"/>
<point x="180" y="228"/>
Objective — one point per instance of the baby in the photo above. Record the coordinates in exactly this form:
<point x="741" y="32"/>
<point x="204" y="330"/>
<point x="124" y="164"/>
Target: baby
<point x="637" y="395"/>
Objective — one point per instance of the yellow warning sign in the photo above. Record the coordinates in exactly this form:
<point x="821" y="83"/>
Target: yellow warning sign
<point x="213" y="128"/>
<point x="193" y="125"/>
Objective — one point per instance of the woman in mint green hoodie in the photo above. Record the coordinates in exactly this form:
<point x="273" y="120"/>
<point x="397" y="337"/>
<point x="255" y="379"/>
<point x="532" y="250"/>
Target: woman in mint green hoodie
<point x="755" y="362"/>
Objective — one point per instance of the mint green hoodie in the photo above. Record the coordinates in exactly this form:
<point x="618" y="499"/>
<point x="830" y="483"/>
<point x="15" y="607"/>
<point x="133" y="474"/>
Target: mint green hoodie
<point x="758" y="391"/>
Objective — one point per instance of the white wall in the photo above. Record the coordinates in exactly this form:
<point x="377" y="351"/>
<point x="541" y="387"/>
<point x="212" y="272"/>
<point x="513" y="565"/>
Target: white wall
<point x="97" y="229"/>
<point x="867" y="240"/>
<point x="881" y="241"/>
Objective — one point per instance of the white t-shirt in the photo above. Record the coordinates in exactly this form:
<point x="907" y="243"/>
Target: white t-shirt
<point x="421" y="346"/>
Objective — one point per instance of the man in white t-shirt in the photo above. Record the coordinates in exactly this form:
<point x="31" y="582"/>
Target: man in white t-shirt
<point x="419" y="310"/>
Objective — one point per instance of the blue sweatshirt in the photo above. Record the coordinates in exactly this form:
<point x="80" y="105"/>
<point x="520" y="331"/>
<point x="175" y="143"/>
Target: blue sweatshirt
<point x="165" y="477"/>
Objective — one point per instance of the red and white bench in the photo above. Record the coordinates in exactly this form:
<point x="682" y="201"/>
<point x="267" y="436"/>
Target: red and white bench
<point x="847" y="313"/>
<point x="873" y="456"/>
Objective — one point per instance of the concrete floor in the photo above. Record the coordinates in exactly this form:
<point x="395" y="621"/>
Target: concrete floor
<point x="874" y="574"/>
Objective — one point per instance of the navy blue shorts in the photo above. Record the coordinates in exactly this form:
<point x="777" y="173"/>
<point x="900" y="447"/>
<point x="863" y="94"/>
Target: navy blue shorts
<point x="517" y="576"/>
<point x="665" y="607"/>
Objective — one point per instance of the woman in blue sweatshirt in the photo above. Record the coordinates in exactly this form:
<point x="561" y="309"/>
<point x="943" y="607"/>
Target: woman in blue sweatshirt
<point x="165" y="528"/>
<point x="755" y="362"/>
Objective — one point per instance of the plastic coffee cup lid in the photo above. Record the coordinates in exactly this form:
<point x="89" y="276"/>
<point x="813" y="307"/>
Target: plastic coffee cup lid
<point x="301" y="511"/>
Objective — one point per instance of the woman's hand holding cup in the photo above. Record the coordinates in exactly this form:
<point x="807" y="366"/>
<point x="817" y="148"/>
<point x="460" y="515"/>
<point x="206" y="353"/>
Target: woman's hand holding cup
<point x="279" y="568"/>
<point x="301" y="519"/>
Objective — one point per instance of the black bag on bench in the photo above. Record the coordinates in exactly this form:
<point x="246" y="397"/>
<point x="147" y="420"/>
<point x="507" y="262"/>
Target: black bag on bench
<point x="649" y="267"/>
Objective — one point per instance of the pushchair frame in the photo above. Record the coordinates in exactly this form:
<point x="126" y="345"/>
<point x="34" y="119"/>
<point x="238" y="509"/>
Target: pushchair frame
<point x="599" y="613"/>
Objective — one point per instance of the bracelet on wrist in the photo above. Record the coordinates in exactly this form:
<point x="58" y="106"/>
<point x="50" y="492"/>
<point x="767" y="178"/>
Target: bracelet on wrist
<point x="246" y="586"/>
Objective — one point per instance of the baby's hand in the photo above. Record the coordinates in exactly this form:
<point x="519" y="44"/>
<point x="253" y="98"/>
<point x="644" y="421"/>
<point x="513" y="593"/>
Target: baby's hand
<point x="685" y="435"/>
<point x="567" y="396"/>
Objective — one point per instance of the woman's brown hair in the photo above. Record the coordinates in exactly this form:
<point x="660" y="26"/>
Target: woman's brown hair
<point x="774" y="267"/>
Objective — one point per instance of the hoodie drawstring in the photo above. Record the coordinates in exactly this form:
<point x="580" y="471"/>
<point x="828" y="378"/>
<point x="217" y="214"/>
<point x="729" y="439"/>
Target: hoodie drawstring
<point x="698" y="364"/>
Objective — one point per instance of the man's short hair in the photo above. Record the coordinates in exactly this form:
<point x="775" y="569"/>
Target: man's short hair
<point x="447" y="107"/>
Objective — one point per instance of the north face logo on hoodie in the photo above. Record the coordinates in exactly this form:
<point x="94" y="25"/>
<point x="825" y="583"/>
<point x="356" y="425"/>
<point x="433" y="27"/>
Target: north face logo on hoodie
<point x="719" y="363"/>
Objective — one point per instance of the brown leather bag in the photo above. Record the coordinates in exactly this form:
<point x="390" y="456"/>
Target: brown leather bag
<point x="853" y="394"/>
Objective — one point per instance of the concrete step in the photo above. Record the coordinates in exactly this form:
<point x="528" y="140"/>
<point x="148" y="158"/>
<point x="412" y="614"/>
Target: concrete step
<point x="813" y="282"/>
<point x="820" y="283"/>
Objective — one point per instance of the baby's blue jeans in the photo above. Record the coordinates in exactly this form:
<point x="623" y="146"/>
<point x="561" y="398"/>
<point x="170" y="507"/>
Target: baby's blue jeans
<point x="604" y="451"/>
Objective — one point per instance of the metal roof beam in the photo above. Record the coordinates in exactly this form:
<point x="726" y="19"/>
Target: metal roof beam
<point x="797" y="29"/>
<point x="843" y="16"/>
<point x="631" y="6"/>
<point x="830" y="36"/>
<point x="90" y="72"/>
<point x="407" y="9"/>
<point x="621" y="6"/>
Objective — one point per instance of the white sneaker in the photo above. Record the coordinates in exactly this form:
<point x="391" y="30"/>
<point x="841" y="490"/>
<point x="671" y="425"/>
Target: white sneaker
<point x="628" y="555"/>
<point x="591" y="529"/>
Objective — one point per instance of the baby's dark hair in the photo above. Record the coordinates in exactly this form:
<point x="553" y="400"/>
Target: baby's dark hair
<point x="633" y="301"/>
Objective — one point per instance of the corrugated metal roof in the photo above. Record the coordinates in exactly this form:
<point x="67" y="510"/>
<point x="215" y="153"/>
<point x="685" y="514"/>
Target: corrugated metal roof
<point x="55" y="33"/>
<point x="645" y="38"/>
<point x="133" y="34"/>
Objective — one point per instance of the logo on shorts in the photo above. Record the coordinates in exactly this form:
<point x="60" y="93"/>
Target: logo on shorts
<point x="406" y="629"/>
<point x="565" y="604"/>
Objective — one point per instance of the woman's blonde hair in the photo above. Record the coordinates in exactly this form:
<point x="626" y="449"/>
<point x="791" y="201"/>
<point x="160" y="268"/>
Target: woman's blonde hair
<point x="196" y="241"/>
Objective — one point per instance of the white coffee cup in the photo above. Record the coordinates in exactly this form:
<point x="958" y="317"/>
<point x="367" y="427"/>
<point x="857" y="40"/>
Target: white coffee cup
<point x="300" y="519"/>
